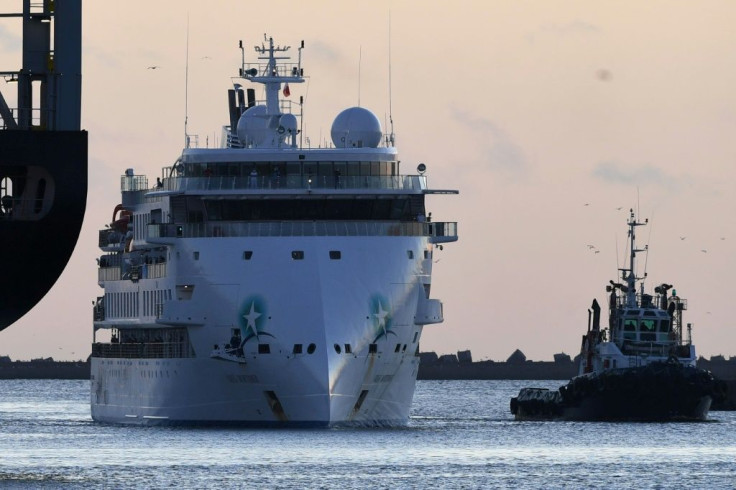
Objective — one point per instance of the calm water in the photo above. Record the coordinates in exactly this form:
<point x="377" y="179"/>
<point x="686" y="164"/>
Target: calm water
<point x="461" y="435"/>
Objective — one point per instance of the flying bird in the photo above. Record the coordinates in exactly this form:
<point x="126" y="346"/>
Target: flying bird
<point x="153" y="67"/>
<point x="619" y="208"/>
<point x="682" y="237"/>
<point x="704" y="251"/>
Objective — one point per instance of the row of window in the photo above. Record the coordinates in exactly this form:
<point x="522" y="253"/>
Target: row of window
<point x="278" y="170"/>
<point x="334" y="254"/>
<point x="311" y="348"/>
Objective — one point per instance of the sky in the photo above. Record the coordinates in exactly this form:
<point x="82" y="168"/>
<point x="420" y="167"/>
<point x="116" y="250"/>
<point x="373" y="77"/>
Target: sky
<point x="552" y="119"/>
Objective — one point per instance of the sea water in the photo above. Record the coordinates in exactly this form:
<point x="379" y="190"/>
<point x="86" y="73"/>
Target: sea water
<point x="460" y="435"/>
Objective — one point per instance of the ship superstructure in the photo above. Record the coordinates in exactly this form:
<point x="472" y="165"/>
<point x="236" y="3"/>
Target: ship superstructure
<point x="264" y="282"/>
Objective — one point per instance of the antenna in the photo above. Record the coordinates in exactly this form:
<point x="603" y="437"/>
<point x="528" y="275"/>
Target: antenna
<point x="186" y="91"/>
<point x="390" y="109"/>
<point x="360" y="60"/>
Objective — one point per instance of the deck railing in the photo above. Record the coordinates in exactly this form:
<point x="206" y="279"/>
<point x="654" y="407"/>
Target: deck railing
<point x="305" y="182"/>
<point x="159" y="350"/>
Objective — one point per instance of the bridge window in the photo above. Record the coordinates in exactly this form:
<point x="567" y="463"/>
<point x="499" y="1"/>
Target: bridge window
<point x="630" y="325"/>
<point x="648" y="329"/>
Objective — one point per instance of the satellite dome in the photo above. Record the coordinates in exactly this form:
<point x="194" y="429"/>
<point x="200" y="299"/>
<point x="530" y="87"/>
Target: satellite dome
<point x="253" y="126"/>
<point x="356" y="127"/>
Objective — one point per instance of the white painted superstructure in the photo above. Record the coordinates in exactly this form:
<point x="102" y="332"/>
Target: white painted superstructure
<point x="264" y="282"/>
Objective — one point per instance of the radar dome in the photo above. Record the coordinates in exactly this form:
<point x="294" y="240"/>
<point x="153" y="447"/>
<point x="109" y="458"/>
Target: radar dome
<point x="253" y="126"/>
<point x="355" y="128"/>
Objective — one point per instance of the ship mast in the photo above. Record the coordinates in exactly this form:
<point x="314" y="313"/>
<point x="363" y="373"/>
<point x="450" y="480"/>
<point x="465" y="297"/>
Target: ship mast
<point x="273" y="73"/>
<point x="629" y="275"/>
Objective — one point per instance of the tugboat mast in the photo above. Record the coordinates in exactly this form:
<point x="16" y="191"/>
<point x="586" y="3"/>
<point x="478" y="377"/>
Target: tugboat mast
<point x="629" y="275"/>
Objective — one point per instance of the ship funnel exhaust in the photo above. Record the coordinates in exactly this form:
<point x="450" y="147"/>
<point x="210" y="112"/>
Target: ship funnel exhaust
<point x="233" y="109"/>
<point x="596" y="315"/>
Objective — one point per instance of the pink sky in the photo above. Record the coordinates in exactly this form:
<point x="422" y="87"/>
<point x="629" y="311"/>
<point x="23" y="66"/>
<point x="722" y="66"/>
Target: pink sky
<point x="531" y="109"/>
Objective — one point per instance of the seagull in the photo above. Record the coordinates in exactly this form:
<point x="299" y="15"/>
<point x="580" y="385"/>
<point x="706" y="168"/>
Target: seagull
<point x="591" y="246"/>
<point x="153" y="67"/>
<point x="597" y="251"/>
<point x="586" y="204"/>
<point x="682" y="237"/>
<point x="704" y="251"/>
<point x="619" y="208"/>
<point x="206" y="57"/>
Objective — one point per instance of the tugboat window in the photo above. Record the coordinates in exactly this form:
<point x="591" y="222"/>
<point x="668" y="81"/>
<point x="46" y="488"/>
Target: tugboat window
<point x="297" y="255"/>
<point x="630" y="329"/>
<point x="648" y="329"/>
<point x="335" y="255"/>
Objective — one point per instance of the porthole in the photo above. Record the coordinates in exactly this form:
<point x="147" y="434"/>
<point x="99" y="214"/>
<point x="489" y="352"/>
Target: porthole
<point x="337" y="348"/>
<point x="311" y="348"/>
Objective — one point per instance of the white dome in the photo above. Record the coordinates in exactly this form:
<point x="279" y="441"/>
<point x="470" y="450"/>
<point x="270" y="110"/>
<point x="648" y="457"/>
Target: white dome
<point x="356" y="127"/>
<point x="253" y="126"/>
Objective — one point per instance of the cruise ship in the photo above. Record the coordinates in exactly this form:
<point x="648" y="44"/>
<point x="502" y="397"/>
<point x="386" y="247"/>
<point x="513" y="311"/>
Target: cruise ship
<point x="266" y="282"/>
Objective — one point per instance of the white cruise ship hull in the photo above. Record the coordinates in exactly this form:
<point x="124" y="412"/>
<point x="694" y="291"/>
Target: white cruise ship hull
<point x="355" y="319"/>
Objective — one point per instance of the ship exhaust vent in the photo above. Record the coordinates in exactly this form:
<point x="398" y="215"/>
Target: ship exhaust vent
<point x="275" y="405"/>
<point x="360" y="401"/>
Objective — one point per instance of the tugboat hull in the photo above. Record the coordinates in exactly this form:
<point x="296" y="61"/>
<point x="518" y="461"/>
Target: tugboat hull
<point x="657" y="392"/>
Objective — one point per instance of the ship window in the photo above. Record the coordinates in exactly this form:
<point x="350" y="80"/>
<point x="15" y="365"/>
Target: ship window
<point x="426" y="254"/>
<point x="416" y="334"/>
<point x="311" y="348"/>
<point x="664" y="325"/>
<point x="264" y="349"/>
<point x="372" y="348"/>
<point x="247" y="254"/>
<point x="410" y="254"/>
<point x="398" y="348"/>
<point x="348" y="349"/>
<point x="337" y="348"/>
<point x="335" y="255"/>
<point x="297" y="349"/>
<point x="297" y="255"/>
<point x="630" y="329"/>
<point x="196" y="255"/>
<point x="648" y="329"/>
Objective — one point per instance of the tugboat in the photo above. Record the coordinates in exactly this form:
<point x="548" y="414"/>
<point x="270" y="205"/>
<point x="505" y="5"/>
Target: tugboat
<point x="641" y="368"/>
